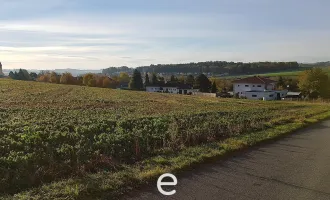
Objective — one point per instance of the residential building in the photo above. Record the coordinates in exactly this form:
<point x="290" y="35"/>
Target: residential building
<point x="257" y="87"/>
<point x="171" y="88"/>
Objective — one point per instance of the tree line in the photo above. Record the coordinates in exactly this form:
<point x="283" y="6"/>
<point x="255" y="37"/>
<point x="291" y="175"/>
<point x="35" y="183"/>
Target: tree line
<point x="136" y="82"/>
<point x="313" y="83"/>
<point x="215" y="67"/>
<point x="23" y="74"/>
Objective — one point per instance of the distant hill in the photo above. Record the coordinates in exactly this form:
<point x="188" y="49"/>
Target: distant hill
<point x="74" y="72"/>
<point x="212" y="67"/>
<point x="77" y="72"/>
<point x="317" y="64"/>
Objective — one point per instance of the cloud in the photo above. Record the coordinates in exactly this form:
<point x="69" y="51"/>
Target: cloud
<point x="62" y="34"/>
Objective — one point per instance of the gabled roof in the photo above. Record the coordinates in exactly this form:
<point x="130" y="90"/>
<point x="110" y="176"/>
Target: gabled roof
<point x="255" y="79"/>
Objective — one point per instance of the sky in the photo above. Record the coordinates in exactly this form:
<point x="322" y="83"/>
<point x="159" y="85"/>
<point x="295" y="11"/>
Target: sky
<point x="85" y="34"/>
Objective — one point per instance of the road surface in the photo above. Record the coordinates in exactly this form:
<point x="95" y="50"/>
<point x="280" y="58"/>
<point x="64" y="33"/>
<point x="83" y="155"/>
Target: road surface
<point x="295" y="167"/>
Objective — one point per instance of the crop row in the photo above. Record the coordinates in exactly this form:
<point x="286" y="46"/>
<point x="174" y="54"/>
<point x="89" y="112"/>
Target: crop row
<point x="31" y="155"/>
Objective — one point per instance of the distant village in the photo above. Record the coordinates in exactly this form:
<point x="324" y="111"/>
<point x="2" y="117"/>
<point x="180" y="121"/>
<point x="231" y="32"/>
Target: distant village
<point x="201" y="84"/>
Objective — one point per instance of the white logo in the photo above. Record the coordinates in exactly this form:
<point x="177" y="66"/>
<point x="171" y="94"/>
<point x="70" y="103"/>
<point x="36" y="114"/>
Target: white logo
<point x="160" y="184"/>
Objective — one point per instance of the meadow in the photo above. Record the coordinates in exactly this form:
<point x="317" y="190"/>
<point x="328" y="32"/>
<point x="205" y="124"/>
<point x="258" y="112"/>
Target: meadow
<point x="289" y="74"/>
<point x="59" y="134"/>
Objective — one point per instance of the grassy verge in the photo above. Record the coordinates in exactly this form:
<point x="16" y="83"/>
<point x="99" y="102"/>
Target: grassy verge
<point x="112" y="185"/>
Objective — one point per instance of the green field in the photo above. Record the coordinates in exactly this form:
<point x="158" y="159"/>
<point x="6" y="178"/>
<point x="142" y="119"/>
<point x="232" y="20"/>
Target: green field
<point x="292" y="74"/>
<point x="54" y="136"/>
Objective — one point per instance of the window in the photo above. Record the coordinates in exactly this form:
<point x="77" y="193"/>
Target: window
<point x="259" y="85"/>
<point x="253" y="85"/>
<point x="237" y="85"/>
<point x="254" y="95"/>
<point x="271" y="95"/>
<point x="241" y="92"/>
<point x="246" y="85"/>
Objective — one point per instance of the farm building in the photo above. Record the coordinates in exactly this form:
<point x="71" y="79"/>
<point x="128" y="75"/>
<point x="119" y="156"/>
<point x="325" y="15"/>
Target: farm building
<point x="294" y="95"/>
<point x="258" y="88"/>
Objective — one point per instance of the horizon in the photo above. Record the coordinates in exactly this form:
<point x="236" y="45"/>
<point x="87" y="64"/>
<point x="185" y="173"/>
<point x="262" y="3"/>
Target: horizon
<point x="85" y="35"/>
<point x="87" y="69"/>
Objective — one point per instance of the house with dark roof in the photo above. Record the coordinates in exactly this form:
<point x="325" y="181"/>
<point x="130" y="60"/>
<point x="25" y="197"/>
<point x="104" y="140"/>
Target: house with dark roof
<point x="171" y="88"/>
<point x="257" y="87"/>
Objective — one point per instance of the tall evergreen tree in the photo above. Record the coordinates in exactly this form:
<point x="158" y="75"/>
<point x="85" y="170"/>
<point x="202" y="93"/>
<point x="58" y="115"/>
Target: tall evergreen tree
<point x="23" y="74"/>
<point x="203" y="83"/>
<point x="214" y="87"/>
<point x="147" y="81"/>
<point x="33" y="75"/>
<point x="12" y="75"/>
<point x="20" y="75"/>
<point x="154" y="79"/>
<point x="136" y="82"/>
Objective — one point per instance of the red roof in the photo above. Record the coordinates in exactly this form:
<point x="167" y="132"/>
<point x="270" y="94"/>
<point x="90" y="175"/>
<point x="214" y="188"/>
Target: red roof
<point x="255" y="79"/>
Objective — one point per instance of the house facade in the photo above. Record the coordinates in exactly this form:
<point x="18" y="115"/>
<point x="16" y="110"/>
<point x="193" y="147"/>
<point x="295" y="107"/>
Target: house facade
<point x="172" y="88"/>
<point x="257" y="88"/>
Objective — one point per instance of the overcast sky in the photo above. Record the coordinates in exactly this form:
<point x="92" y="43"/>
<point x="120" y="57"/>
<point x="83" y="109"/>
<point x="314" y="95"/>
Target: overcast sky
<point x="95" y="34"/>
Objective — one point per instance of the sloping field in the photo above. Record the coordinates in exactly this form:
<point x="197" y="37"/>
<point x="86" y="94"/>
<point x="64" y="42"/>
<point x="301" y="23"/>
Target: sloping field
<point x="51" y="132"/>
<point x="292" y="74"/>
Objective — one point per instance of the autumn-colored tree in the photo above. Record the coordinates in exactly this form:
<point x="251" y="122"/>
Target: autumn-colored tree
<point x="67" y="78"/>
<point x="44" y="78"/>
<point x="99" y="81"/>
<point x="115" y="78"/>
<point x="87" y="79"/>
<point x="314" y="83"/>
<point x="54" y="78"/>
<point x="79" y="80"/>
<point x="91" y="82"/>
<point x="106" y="82"/>
<point x="124" y="77"/>
<point x="223" y="84"/>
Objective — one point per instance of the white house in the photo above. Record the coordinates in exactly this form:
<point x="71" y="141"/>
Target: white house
<point x="171" y="88"/>
<point x="257" y="88"/>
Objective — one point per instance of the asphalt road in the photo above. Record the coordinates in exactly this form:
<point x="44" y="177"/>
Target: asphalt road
<point x="295" y="167"/>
